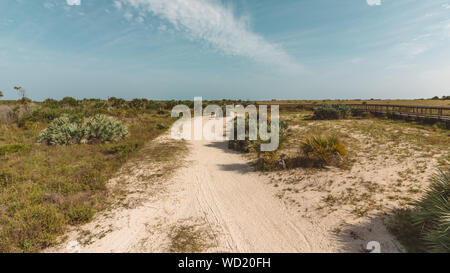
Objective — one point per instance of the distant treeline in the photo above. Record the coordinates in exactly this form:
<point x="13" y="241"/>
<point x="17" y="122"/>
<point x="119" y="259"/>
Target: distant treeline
<point x="441" y="98"/>
<point x="138" y="103"/>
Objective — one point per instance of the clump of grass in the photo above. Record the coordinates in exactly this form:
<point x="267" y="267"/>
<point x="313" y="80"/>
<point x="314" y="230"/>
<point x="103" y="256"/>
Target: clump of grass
<point x="324" y="150"/>
<point x="426" y="227"/>
<point x="190" y="238"/>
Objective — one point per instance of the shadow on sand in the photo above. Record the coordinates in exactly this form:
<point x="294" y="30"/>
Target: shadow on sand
<point x="222" y="145"/>
<point x="357" y="238"/>
<point x="242" y="168"/>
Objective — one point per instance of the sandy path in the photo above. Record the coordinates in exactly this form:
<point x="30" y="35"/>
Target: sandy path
<point x="240" y="202"/>
<point x="217" y="189"/>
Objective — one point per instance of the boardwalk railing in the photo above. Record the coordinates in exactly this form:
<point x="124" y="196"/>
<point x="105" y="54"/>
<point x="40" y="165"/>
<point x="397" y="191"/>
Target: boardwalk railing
<point x="432" y="112"/>
<point x="415" y="111"/>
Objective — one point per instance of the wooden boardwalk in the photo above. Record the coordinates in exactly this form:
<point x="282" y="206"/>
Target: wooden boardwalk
<point x="413" y="111"/>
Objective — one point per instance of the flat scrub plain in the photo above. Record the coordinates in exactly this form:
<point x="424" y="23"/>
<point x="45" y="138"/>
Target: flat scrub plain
<point x="348" y="177"/>
<point x="388" y="166"/>
<point x="44" y="189"/>
<point x="419" y="102"/>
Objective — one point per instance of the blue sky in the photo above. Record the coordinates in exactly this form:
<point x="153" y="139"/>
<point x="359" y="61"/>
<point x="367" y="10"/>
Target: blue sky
<point x="247" y="49"/>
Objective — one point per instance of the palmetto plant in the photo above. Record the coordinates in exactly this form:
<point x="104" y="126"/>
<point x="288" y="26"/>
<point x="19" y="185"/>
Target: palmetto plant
<point x="432" y="214"/>
<point x="62" y="131"/>
<point x="323" y="149"/>
<point x="96" y="129"/>
<point x="101" y="128"/>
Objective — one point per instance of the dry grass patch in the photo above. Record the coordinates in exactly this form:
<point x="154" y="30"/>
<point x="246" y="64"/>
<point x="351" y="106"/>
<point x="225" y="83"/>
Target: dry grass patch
<point x="190" y="236"/>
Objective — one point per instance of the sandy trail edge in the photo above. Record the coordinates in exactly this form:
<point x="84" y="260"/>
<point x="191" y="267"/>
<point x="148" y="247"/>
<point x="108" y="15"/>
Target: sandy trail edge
<point x="217" y="187"/>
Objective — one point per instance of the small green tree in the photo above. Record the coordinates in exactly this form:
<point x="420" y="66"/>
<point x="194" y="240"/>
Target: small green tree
<point x="21" y="91"/>
<point x="1" y="94"/>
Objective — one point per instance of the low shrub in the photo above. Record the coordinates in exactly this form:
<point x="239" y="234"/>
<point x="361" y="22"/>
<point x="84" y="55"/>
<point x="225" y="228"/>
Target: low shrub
<point x="51" y="103"/>
<point x="80" y="213"/>
<point x="101" y="128"/>
<point x="358" y="112"/>
<point x="62" y="131"/>
<point x="331" y="111"/>
<point x="161" y="126"/>
<point x="33" y="227"/>
<point x="101" y="105"/>
<point x="14" y="149"/>
<point x="6" y="178"/>
<point x="269" y="162"/>
<point x="247" y="145"/>
<point x="44" y="115"/>
<point x="324" y="150"/>
<point x="365" y="114"/>
<point x="138" y="104"/>
<point x="151" y="105"/>
<point x="98" y="129"/>
<point x="426" y="227"/>
<point x="69" y="101"/>
<point x="117" y="103"/>
<point x="242" y="146"/>
<point x="122" y="150"/>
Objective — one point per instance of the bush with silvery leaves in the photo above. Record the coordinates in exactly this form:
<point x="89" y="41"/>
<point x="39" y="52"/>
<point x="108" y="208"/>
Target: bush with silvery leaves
<point x="101" y="128"/>
<point x="97" y="129"/>
<point x="62" y="131"/>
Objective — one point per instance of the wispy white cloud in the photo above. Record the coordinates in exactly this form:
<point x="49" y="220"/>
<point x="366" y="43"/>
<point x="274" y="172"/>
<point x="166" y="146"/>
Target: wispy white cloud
<point x="73" y="2"/>
<point x="117" y="4"/>
<point x="413" y="49"/>
<point x="212" y="22"/>
<point x="446" y="6"/>
<point x="374" y="2"/>
<point x="128" y="16"/>
<point x="140" y="19"/>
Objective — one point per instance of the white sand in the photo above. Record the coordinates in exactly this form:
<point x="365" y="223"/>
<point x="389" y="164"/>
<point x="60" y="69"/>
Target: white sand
<point x="216" y="189"/>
